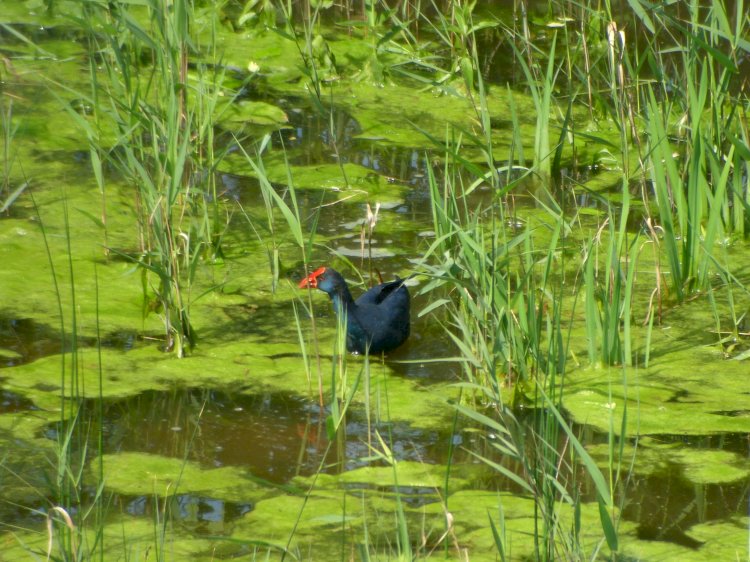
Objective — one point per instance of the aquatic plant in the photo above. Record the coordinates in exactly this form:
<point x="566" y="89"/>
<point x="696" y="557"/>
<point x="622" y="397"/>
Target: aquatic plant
<point x="9" y="128"/>
<point x="67" y="521"/>
<point x="597" y="190"/>
<point x="163" y="121"/>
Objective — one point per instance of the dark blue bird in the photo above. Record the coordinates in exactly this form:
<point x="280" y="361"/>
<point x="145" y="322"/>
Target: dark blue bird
<point x="378" y="320"/>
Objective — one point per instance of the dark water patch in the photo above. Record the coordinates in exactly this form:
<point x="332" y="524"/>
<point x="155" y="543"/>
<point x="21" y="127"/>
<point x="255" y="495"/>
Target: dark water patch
<point x="312" y="138"/>
<point x="12" y="403"/>
<point x="666" y="506"/>
<point x="23" y="340"/>
<point x="428" y="371"/>
<point x="677" y="483"/>
<point x="232" y="186"/>
<point x="274" y="436"/>
<point x="681" y="396"/>
<point x="78" y="160"/>
<point x="46" y="387"/>
<point x="413" y="496"/>
<point x="201" y="514"/>
<point x="733" y="442"/>
<point x="669" y="533"/>
<point x="674" y="483"/>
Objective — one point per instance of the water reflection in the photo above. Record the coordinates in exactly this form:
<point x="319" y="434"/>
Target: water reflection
<point x="274" y="436"/>
<point x="206" y="515"/>
<point x="666" y="506"/>
<point x="279" y="436"/>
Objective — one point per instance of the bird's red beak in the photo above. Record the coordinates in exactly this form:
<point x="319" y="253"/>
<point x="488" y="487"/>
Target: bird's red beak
<point x="312" y="279"/>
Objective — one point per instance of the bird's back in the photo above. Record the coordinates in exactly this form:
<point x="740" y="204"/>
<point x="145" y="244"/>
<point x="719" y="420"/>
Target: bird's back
<point x="382" y="315"/>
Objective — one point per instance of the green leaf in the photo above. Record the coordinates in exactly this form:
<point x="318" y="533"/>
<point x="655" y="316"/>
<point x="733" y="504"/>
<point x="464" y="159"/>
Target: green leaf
<point x="96" y="220"/>
<point x="13" y="196"/>
<point x="330" y="428"/>
<point x="642" y="15"/>
<point x="607" y="526"/>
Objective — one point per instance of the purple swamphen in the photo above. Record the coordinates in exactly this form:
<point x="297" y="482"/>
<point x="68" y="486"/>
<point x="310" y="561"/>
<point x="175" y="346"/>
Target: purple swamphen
<point x="378" y="320"/>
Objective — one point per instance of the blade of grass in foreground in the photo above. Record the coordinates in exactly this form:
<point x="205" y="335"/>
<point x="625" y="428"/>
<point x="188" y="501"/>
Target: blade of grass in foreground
<point x="604" y="497"/>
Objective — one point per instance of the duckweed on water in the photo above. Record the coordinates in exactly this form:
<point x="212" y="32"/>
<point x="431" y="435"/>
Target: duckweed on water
<point x="679" y="394"/>
<point x="345" y="181"/>
<point x="407" y="477"/>
<point x="248" y="340"/>
<point x="140" y="474"/>
<point x="696" y="466"/>
<point x="235" y="113"/>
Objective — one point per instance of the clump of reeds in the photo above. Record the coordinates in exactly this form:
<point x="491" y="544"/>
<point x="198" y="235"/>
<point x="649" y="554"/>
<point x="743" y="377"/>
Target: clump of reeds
<point x="162" y="115"/>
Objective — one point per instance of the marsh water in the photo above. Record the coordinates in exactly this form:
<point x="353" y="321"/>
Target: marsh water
<point x="235" y="435"/>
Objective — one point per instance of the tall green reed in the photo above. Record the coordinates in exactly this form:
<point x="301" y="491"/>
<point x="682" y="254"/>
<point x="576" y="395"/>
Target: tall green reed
<point x="503" y="302"/>
<point x="695" y="119"/>
<point x="274" y="203"/>
<point x="609" y="289"/>
<point x="162" y="119"/>
<point x="679" y="144"/>
<point x="284" y="202"/>
<point x="8" y="195"/>
<point x="74" y="509"/>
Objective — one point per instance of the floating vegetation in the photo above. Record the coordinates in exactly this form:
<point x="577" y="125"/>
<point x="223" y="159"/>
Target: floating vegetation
<point x="569" y="185"/>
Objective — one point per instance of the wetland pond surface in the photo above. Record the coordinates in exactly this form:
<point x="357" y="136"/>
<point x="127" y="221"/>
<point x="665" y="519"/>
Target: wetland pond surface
<point x="233" y="444"/>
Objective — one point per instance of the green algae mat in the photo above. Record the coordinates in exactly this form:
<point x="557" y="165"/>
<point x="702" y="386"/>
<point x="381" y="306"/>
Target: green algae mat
<point x="265" y="441"/>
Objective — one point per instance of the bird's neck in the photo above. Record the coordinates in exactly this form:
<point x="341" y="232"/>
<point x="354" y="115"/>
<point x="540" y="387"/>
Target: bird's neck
<point x="342" y="300"/>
